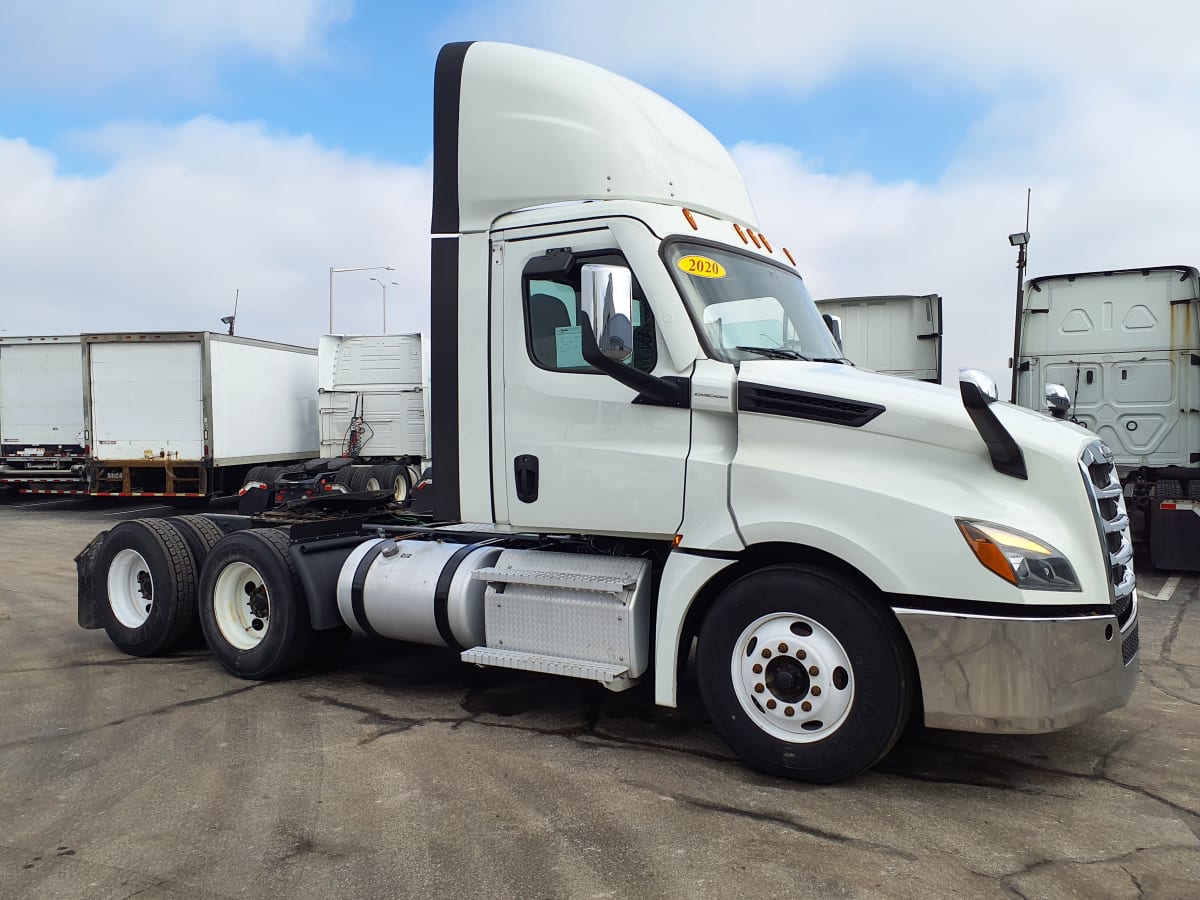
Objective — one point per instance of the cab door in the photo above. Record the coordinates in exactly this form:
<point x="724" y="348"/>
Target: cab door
<point x="578" y="453"/>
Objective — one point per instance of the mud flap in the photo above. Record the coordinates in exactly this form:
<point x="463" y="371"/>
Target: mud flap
<point x="85" y="570"/>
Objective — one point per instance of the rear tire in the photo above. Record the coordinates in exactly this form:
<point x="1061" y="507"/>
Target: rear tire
<point x="345" y="476"/>
<point x="146" y="579"/>
<point x="252" y="606"/>
<point x="803" y="675"/>
<point x="360" y="476"/>
<point x="393" y="478"/>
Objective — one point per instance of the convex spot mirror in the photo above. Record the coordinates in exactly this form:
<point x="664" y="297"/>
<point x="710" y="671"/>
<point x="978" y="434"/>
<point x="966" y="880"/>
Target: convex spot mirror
<point x="606" y="297"/>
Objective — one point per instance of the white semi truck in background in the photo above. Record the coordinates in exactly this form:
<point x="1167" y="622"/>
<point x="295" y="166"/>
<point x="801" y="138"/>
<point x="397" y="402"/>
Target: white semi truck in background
<point x="42" y="440"/>
<point x="895" y="334"/>
<point x="618" y="479"/>
<point x="1125" y="346"/>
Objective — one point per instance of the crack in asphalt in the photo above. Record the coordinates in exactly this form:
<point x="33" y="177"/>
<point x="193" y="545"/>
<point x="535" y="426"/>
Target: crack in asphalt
<point x="1189" y="816"/>
<point x="150" y="713"/>
<point x="965" y="782"/>
<point x="1168" y="641"/>
<point x="1048" y="862"/>
<point x="114" y="663"/>
<point x="792" y="825"/>
<point x="1168" y="692"/>
<point x="586" y="734"/>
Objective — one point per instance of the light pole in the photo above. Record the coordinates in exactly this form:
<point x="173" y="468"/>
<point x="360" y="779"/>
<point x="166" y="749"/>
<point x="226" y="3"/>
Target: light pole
<point x="332" y="270"/>
<point x="384" y="286"/>
<point x="1020" y="240"/>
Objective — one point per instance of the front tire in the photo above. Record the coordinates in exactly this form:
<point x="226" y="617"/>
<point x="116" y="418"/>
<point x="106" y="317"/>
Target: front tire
<point x="252" y="606"/>
<point x="803" y="674"/>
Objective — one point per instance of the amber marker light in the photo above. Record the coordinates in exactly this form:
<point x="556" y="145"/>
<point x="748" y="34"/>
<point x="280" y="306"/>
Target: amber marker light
<point x="687" y="214"/>
<point x="762" y="237"/>
<point x="678" y="540"/>
<point x="788" y="254"/>
<point x="740" y="233"/>
<point x="754" y="237"/>
<point x="987" y="552"/>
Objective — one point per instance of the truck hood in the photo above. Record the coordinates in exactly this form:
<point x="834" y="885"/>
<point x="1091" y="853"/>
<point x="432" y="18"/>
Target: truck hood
<point x="914" y="411"/>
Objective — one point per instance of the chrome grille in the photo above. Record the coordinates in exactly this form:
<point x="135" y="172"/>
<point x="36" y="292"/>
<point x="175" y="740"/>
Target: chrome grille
<point x="1108" y="503"/>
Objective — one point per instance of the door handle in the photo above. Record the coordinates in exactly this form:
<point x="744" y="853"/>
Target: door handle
<point x="525" y="474"/>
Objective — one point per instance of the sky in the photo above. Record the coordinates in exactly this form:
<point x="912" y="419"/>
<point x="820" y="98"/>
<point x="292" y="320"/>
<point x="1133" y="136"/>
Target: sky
<point x="160" y="159"/>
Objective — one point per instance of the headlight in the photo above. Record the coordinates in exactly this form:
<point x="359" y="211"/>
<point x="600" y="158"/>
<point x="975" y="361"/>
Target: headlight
<point x="1018" y="558"/>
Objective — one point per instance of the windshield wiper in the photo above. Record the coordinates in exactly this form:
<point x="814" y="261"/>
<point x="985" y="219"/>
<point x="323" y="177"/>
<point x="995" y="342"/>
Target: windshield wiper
<point x="774" y="352"/>
<point x="841" y="360"/>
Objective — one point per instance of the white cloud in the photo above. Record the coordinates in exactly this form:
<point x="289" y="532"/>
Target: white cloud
<point x="802" y="45"/>
<point x="81" y="47"/>
<point x="187" y="215"/>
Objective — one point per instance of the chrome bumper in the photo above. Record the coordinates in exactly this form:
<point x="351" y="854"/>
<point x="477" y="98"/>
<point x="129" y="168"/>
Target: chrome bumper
<point x="1008" y="675"/>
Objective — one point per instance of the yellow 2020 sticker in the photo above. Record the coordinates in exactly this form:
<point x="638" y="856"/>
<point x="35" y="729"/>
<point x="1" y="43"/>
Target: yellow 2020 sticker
<point x="701" y="267"/>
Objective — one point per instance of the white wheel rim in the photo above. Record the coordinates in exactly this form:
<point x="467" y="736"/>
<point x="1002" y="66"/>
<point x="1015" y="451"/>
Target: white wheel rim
<point x="792" y="677"/>
<point x="130" y="588"/>
<point x="373" y="484"/>
<point x="399" y="489"/>
<point x="241" y="606"/>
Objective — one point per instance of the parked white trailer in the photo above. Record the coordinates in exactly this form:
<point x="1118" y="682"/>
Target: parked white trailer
<point x="372" y="408"/>
<point x="188" y="413"/>
<point x="897" y="334"/>
<point x="1125" y="344"/>
<point x="41" y="411"/>
<point x="620" y="477"/>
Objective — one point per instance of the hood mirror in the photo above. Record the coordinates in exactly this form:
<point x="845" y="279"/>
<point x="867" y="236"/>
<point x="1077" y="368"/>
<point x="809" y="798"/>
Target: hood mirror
<point x="834" y="324"/>
<point x="1058" y="400"/>
<point x="978" y="385"/>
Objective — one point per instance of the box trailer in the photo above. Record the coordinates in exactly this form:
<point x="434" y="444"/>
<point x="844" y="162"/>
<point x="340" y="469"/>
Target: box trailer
<point x="1125" y="345"/>
<point x="372" y="409"/>
<point x="897" y="334"/>
<point x="189" y="413"/>
<point x="623" y="474"/>
<point x="41" y="411"/>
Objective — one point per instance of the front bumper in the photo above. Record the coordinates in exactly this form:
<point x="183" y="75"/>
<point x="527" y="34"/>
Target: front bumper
<point x="1000" y="675"/>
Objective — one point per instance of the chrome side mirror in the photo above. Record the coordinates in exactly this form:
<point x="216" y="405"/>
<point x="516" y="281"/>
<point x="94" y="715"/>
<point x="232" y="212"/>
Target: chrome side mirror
<point x="1058" y="400"/>
<point x="834" y="324"/>
<point x="606" y="297"/>
<point x="981" y="382"/>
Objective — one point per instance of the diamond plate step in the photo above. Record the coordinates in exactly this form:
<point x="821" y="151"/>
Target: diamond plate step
<point x="550" y="665"/>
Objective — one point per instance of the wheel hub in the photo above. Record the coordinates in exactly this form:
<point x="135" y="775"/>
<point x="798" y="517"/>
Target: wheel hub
<point x="793" y="677"/>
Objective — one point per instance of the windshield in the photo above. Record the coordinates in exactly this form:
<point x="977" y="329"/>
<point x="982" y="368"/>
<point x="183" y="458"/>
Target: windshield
<point x="749" y="308"/>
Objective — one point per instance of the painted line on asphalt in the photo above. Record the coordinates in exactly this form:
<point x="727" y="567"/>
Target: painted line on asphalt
<point x="43" y="503"/>
<point x="140" y="509"/>
<point x="1166" y="590"/>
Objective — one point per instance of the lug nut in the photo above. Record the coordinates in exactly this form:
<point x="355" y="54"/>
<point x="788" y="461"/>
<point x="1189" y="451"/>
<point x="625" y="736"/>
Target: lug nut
<point x="770" y="704"/>
<point x="806" y="706"/>
<point x="813" y="670"/>
<point x="788" y="711"/>
<point x="783" y="648"/>
<point x="800" y="654"/>
<point x="758" y="689"/>
<point x="816" y="690"/>
<point x="766" y="654"/>
<point x="757" y="669"/>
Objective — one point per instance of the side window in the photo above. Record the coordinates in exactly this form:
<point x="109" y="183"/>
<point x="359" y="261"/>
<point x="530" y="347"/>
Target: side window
<point x="552" y="322"/>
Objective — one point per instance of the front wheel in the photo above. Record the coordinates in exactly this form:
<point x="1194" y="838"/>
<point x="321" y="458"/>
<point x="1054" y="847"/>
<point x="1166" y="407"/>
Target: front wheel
<point x="803" y="675"/>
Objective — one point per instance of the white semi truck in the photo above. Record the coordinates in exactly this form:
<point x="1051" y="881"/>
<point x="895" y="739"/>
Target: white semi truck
<point x="618" y="481"/>
<point x="896" y="334"/>
<point x="1124" y="345"/>
<point x="42" y="443"/>
<point x="371" y="407"/>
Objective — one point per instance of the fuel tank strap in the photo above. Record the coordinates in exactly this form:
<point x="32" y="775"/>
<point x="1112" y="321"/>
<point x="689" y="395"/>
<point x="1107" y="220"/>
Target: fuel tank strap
<point x="357" y="585"/>
<point x="441" y="593"/>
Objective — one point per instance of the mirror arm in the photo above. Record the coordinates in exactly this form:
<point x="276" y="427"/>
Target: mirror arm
<point x="656" y="390"/>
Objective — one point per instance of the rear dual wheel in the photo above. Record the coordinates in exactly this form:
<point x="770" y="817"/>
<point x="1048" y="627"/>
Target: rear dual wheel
<point x="253" y="609"/>
<point x="803" y="674"/>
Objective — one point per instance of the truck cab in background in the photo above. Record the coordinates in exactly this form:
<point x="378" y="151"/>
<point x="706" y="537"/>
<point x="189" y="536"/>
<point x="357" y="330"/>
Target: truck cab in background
<point x="895" y="334"/>
<point x="622" y="471"/>
<point x="1125" y="345"/>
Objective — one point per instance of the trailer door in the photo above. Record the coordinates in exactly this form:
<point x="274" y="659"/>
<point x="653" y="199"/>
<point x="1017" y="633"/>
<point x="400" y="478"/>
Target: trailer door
<point x="147" y="400"/>
<point x="41" y="404"/>
<point x="895" y="335"/>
